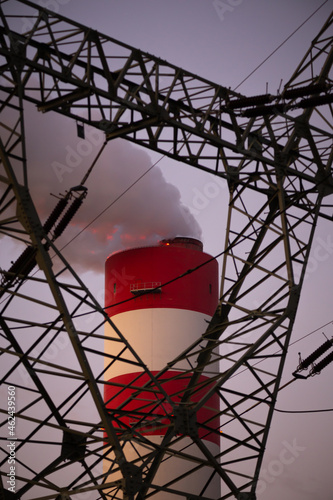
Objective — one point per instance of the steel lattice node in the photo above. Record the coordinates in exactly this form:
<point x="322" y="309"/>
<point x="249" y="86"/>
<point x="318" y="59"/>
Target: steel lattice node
<point x="73" y="446"/>
<point x="185" y="421"/>
<point x="132" y="483"/>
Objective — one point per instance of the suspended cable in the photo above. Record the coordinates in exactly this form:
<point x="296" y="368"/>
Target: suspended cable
<point x="311" y="333"/>
<point x="281" y="44"/>
<point x="303" y="411"/>
<point x="112" y="203"/>
<point x="153" y="290"/>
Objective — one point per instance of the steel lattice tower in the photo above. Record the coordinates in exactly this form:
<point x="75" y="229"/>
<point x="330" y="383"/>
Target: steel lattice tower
<point x="275" y="153"/>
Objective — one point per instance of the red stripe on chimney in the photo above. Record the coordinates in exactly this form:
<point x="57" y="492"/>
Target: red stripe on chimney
<point x="146" y="412"/>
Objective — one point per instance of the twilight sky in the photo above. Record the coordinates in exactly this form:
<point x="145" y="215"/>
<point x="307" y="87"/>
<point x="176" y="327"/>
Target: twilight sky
<point x="223" y="45"/>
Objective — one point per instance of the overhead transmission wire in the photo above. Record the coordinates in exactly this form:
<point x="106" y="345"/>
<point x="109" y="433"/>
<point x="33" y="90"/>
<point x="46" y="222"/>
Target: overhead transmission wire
<point x="279" y="46"/>
<point x="311" y="333"/>
<point x="113" y="202"/>
<point x="323" y="410"/>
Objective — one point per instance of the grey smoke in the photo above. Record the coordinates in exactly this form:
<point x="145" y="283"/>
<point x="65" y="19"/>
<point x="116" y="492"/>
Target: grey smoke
<point x="151" y="210"/>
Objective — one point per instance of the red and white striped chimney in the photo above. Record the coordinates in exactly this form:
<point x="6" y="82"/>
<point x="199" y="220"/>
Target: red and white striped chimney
<point x="160" y="316"/>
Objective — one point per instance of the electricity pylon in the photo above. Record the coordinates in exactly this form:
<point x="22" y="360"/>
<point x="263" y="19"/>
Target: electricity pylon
<point x="275" y="154"/>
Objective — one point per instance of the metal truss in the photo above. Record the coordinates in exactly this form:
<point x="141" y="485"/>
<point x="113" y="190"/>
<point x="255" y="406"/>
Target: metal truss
<point x="275" y="153"/>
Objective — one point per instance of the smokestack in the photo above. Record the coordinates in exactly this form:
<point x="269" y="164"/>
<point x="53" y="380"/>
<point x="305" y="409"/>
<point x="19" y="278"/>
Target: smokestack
<point x="160" y="316"/>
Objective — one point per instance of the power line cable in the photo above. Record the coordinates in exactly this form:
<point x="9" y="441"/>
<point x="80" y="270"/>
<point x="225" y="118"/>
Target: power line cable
<point x="180" y="276"/>
<point x="281" y="44"/>
<point x="304" y="411"/>
<point x="112" y="203"/>
<point x="311" y="333"/>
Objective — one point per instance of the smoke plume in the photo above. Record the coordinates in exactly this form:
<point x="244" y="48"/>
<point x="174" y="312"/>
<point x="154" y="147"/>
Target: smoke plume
<point x="114" y="216"/>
